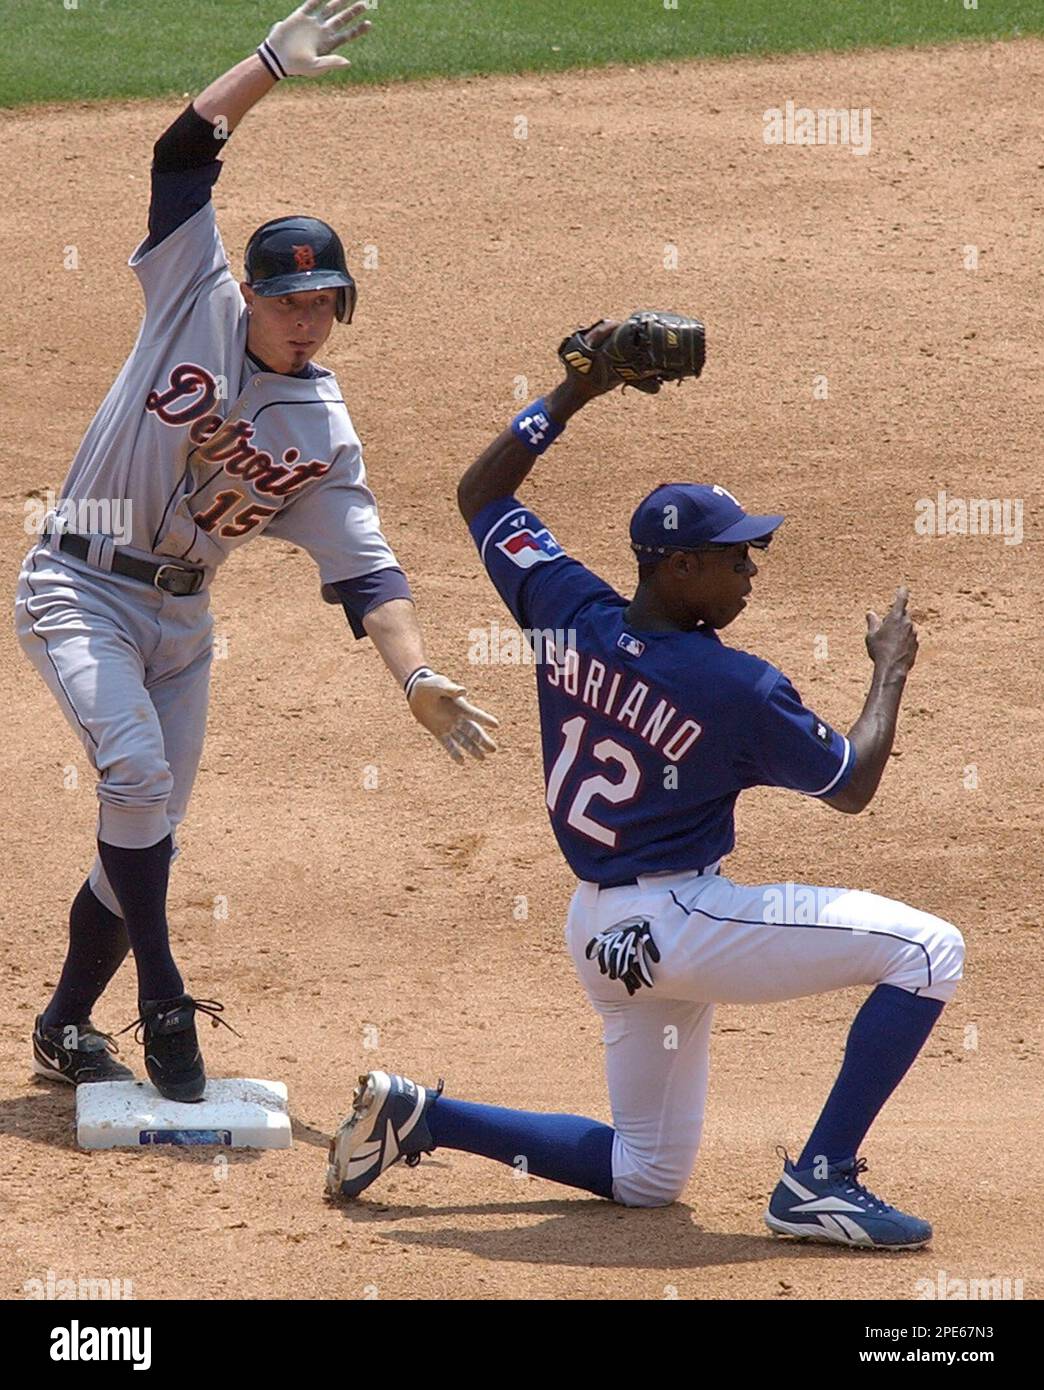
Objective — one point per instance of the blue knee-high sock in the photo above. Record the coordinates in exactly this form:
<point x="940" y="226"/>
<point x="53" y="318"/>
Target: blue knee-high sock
<point x="98" y="943"/>
<point x="886" y="1035"/>
<point x="139" y="879"/>
<point x="569" y="1149"/>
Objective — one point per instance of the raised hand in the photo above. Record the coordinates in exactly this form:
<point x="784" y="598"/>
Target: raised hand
<point x="302" y="44"/>
<point x="892" y="641"/>
<point x="589" y="376"/>
<point x="650" y="347"/>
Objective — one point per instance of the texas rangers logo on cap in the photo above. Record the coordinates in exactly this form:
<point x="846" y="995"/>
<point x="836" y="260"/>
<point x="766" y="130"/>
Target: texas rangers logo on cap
<point x="526" y="547"/>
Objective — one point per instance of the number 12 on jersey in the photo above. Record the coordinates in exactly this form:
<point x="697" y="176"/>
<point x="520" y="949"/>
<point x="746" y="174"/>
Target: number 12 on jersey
<point x="606" y="750"/>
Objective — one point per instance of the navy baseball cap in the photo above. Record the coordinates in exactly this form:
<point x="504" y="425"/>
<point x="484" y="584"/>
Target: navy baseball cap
<point x="686" y="516"/>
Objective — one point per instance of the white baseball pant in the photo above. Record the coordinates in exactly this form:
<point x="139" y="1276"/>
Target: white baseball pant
<point x="727" y="943"/>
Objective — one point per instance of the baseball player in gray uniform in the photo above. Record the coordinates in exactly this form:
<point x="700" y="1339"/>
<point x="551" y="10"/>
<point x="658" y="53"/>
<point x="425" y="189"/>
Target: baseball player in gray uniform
<point x="218" y="429"/>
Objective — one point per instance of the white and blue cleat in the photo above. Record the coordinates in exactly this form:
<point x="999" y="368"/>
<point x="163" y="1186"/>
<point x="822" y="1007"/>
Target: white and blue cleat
<point x="838" y="1210"/>
<point x="387" y="1122"/>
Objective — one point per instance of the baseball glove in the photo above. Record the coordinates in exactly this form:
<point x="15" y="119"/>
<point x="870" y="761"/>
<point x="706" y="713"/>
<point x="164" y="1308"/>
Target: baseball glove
<point x="651" y="347"/>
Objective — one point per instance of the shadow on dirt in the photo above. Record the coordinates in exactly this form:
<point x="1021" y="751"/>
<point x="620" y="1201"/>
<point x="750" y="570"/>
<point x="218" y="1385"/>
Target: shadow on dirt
<point x="47" y="1115"/>
<point x="304" y="1133"/>
<point x="579" y="1233"/>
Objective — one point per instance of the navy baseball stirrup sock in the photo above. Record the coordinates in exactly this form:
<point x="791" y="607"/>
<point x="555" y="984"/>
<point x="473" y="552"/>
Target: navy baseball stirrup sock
<point x="569" y="1149"/>
<point x="98" y="943"/>
<point x="886" y="1035"/>
<point x="139" y="879"/>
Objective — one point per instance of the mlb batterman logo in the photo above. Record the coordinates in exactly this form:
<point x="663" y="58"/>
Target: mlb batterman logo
<point x="526" y="547"/>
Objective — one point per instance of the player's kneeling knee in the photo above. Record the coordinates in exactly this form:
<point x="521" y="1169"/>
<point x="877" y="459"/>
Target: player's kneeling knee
<point x="649" y="1186"/>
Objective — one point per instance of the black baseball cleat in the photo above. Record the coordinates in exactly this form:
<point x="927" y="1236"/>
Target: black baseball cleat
<point x="173" y="1061"/>
<point x="76" y="1053"/>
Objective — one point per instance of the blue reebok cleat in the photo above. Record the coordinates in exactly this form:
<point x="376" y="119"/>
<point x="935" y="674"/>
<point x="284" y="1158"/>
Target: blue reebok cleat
<point x="839" y="1210"/>
<point x="386" y="1123"/>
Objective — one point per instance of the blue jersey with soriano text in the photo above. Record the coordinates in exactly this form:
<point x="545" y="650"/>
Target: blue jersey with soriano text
<point x="648" y="737"/>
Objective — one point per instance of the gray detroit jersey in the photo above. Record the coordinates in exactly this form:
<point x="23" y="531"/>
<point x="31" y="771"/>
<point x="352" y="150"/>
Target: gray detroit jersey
<point x="214" y="453"/>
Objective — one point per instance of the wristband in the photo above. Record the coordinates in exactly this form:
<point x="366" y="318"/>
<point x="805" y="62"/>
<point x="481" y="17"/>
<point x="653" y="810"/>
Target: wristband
<point x="414" y="677"/>
<point x="270" y="58"/>
<point x="534" y="428"/>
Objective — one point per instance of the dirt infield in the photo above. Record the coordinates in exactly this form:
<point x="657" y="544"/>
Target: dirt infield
<point x="904" y="285"/>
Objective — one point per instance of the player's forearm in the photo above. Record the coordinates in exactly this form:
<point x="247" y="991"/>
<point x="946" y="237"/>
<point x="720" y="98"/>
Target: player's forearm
<point x="497" y="472"/>
<point x="230" y="96"/>
<point x="872" y="737"/>
<point x="504" y="466"/>
<point x="396" y="634"/>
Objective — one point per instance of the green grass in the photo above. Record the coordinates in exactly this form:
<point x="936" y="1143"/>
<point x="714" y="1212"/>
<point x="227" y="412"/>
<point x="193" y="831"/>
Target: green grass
<point x="132" y="48"/>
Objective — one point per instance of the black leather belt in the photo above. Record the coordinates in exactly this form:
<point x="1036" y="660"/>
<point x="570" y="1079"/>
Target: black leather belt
<point x="171" y="579"/>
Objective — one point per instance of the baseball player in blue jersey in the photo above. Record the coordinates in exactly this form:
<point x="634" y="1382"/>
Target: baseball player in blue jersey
<point x="652" y="727"/>
<point x="220" y="428"/>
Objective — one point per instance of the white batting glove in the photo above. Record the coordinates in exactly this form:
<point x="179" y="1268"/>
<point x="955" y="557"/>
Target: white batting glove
<point x="440" y="706"/>
<point x="302" y="44"/>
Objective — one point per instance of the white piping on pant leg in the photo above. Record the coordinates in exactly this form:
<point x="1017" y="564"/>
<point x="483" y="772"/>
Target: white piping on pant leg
<point x="761" y="943"/>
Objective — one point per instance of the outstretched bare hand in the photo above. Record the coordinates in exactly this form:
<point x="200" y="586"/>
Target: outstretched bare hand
<point x="892" y="641"/>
